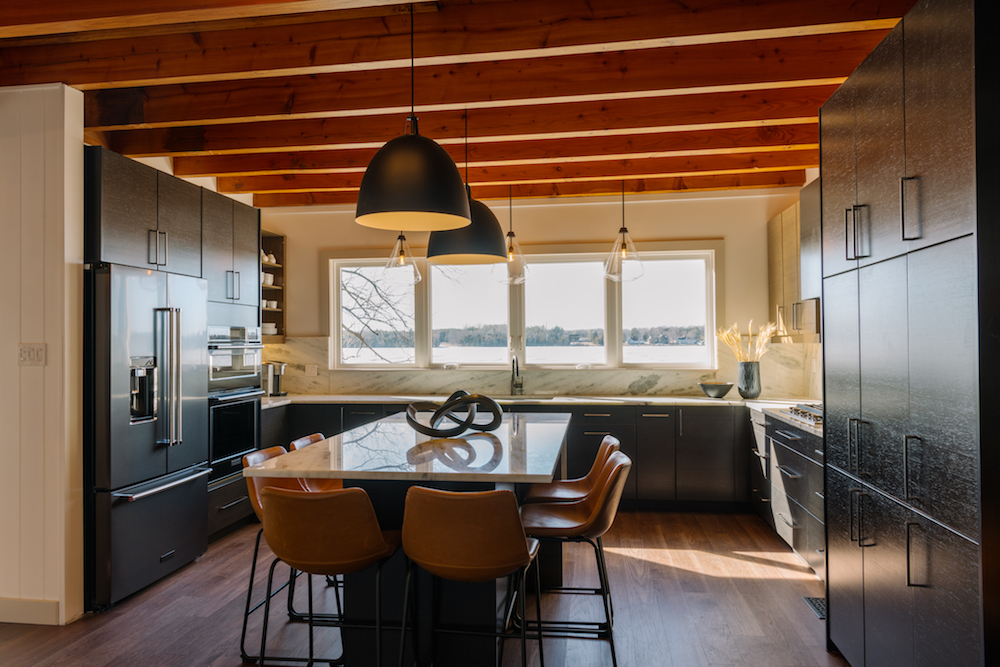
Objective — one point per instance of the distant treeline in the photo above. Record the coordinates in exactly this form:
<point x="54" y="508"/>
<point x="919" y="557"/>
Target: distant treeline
<point x="495" y="335"/>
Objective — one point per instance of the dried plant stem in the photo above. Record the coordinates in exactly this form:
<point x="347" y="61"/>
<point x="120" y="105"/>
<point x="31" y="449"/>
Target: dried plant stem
<point x="754" y="350"/>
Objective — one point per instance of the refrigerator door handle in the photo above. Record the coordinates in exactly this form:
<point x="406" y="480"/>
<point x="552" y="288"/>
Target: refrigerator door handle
<point x="132" y="497"/>
<point x="176" y="357"/>
<point x="165" y="361"/>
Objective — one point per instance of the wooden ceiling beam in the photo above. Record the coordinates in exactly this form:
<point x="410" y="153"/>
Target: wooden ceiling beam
<point x="776" y="179"/>
<point x="66" y="16"/>
<point x="630" y="74"/>
<point x="459" y="33"/>
<point x="756" y="139"/>
<point x="556" y="121"/>
<point x="504" y="173"/>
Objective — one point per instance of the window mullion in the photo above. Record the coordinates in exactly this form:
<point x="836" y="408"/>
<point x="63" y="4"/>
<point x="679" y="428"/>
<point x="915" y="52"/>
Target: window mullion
<point x="613" y="323"/>
<point x="422" y="317"/>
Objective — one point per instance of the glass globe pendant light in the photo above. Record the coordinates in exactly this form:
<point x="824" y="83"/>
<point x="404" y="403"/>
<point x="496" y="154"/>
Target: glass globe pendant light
<point x="481" y="242"/>
<point x="402" y="258"/>
<point x="411" y="183"/>
<point x="623" y="264"/>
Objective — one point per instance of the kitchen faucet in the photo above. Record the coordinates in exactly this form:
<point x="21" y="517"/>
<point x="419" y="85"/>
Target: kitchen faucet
<point x="516" y="382"/>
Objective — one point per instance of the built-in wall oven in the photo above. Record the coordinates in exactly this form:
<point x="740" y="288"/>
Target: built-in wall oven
<point x="235" y="362"/>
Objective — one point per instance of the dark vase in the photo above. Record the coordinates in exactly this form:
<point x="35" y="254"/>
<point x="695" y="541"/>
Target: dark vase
<point x="748" y="381"/>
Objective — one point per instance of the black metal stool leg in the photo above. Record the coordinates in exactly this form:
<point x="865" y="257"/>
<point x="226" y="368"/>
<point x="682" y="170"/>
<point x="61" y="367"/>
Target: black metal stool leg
<point x="538" y="613"/>
<point x="378" y="614"/>
<point x="524" y="626"/>
<point x="267" y="610"/>
<point x="246" y="611"/>
<point x="406" y="610"/>
<point x="309" y="589"/>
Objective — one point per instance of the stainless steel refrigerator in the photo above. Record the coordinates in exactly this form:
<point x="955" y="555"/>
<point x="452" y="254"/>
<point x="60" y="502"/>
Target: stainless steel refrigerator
<point x="146" y="428"/>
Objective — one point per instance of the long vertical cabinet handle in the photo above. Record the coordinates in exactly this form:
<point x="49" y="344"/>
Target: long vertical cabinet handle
<point x="859" y="441"/>
<point x="153" y="247"/>
<point x="680" y="422"/>
<point x="851" y="465"/>
<point x="795" y="316"/>
<point x="237" y="293"/>
<point x="909" y="557"/>
<point x="861" y="521"/>
<point x="906" y="467"/>
<point x="166" y="249"/>
<point x="850" y="235"/>
<point x="178" y="359"/>
<point x="902" y="209"/>
<point x="851" y="495"/>
<point x="164" y="361"/>
<point x="866" y="218"/>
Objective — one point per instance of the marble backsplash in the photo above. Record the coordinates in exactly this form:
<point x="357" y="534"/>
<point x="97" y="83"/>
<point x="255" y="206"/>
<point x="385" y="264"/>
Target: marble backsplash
<point x="789" y="370"/>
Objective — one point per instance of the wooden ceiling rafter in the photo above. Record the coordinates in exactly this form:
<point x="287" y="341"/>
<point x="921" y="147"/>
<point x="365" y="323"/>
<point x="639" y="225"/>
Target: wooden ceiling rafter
<point x="290" y="99"/>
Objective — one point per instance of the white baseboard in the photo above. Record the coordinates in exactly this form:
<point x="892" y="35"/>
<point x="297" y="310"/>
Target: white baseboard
<point x="34" y="612"/>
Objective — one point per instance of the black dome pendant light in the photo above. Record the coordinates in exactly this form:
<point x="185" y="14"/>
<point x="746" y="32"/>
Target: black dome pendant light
<point x="412" y="184"/>
<point x="482" y="242"/>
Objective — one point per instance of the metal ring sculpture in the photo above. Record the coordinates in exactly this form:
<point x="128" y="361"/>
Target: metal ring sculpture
<point x="458" y="400"/>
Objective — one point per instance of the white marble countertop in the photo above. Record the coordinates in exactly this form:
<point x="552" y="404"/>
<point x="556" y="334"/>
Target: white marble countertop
<point x="524" y="449"/>
<point x="268" y="402"/>
<point x="546" y="400"/>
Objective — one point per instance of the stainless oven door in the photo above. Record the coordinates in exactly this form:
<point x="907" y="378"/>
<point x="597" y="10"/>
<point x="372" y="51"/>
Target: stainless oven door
<point x="234" y="430"/>
<point x="234" y="366"/>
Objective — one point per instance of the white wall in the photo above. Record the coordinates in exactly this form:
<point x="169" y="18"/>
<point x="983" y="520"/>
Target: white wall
<point x="740" y="218"/>
<point x="41" y="270"/>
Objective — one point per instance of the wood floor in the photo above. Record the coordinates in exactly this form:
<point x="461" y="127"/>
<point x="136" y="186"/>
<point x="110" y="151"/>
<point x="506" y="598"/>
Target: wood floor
<point x="690" y="589"/>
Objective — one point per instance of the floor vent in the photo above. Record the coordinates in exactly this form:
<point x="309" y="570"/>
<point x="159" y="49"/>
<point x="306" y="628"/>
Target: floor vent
<point x="818" y="605"/>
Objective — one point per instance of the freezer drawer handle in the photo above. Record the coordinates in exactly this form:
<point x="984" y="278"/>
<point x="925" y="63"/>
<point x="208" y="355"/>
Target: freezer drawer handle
<point x="788" y="473"/>
<point x="132" y="497"/>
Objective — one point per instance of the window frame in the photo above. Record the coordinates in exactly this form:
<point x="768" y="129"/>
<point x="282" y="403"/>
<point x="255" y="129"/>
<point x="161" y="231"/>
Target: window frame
<point x="712" y="250"/>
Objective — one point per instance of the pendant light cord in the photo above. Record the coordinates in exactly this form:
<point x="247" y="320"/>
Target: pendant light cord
<point x="466" y="116"/>
<point x="510" y="208"/>
<point x="413" y="84"/>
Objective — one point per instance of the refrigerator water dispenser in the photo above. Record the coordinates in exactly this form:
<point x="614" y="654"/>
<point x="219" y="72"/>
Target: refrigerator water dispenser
<point x="142" y="390"/>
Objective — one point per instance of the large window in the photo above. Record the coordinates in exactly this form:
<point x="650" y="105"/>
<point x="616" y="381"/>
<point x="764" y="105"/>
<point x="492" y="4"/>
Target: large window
<point x="564" y="313"/>
<point x="468" y="316"/>
<point x="665" y="314"/>
<point x="377" y="314"/>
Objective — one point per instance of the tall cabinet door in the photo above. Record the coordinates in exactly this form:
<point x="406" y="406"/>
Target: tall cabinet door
<point x="217" y="248"/>
<point x="944" y="576"/>
<point x="845" y="568"/>
<point x="888" y="598"/>
<point x="178" y="220"/>
<point x="120" y="197"/>
<point x="884" y="375"/>
<point x="942" y="446"/>
<point x="879" y="115"/>
<point x="842" y="368"/>
<point x="654" y="476"/>
<point x="246" y="253"/>
<point x="940" y="200"/>
<point x="839" y="180"/>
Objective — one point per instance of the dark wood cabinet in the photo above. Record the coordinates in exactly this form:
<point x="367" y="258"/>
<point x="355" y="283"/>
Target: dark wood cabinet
<point x="883" y="419"/>
<point x="355" y="415"/>
<point x="308" y="418"/>
<point x="274" y="427"/>
<point x="588" y="427"/>
<point x="842" y="368"/>
<point x="845" y="568"/>
<point x="839" y="180"/>
<point x="940" y="185"/>
<point x="706" y="458"/>
<point x="178" y="225"/>
<point x="231" y="242"/>
<point x="228" y="505"/>
<point x="138" y="216"/>
<point x="655" y="478"/>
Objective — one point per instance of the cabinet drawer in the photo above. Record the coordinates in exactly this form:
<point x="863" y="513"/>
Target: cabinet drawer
<point x="228" y="502"/>
<point x="806" y="444"/>
<point x="797" y="476"/>
<point x="359" y="415"/>
<point x="791" y="521"/>
<point x="815" y="548"/>
<point x="603" y="414"/>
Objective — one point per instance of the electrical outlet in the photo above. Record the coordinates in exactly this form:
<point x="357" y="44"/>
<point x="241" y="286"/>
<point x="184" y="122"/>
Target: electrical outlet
<point x="31" y="354"/>
<point x="312" y="370"/>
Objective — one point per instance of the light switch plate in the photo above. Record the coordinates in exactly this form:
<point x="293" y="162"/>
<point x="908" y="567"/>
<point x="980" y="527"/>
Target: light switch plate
<point x="31" y="354"/>
<point x="312" y="370"/>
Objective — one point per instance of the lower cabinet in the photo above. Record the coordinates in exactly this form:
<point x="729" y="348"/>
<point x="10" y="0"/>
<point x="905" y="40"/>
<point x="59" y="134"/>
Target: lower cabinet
<point x="308" y="418"/>
<point x="355" y="415"/>
<point x="706" y="456"/>
<point x="656" y="477"/>
<point x="903" y="589"/>
<point x="274" y="427"/>
<point x="588" y="428"/>
<point x="228" y="503"/>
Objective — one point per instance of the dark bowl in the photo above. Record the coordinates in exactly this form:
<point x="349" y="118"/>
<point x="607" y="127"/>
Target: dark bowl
<point x="715" y="389"/>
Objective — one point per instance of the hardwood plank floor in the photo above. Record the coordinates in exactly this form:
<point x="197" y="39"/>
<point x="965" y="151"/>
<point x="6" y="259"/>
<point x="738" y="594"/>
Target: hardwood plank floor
<point x="690" y="590"/>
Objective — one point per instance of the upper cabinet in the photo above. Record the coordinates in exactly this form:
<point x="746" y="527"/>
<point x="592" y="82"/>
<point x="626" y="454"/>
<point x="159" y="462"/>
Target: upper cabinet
<point x="231" y="233"/>
<point x="897" y="176"/>
<point x="795" y="313"/>
<point x="139" y="216"/>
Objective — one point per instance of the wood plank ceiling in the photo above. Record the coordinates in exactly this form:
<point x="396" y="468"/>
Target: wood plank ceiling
<point x="289" y="99"/>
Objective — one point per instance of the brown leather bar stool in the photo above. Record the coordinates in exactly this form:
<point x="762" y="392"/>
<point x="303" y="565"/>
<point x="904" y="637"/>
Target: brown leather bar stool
<point x="472" y="537"/>
<point x="571" y="490"/>
<point x="585" y="520"/>
<point x="255" y="485"/>
<point x="330" y="533"/>
<point x="318" y="485"/>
